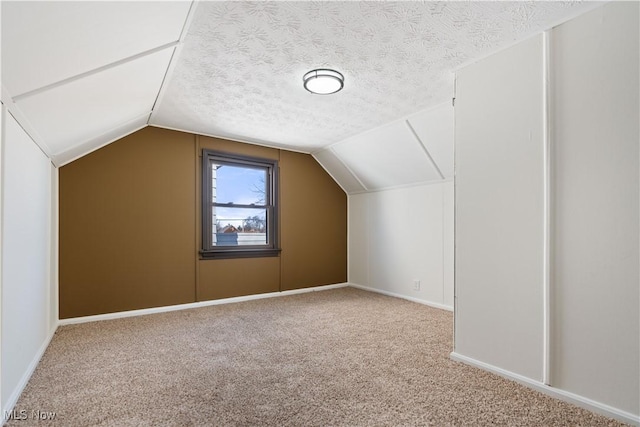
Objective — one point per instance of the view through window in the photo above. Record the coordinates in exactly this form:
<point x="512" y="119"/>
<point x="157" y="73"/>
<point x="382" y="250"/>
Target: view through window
<point x="239" y="208"/>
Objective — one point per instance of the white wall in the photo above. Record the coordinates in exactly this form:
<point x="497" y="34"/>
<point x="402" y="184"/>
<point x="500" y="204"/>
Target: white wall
<point x="27" y="319"/>
<point x="499" y="209"/>
<point x="448" y="223"/>
<point x="587" y="349"/>
<point x="401" y="213"/>
<point x="400" y="235"/>
<point x="596" y="335"/>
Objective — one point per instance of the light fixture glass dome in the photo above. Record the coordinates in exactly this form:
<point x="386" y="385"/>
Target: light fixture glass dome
<point x="323" y="81"/>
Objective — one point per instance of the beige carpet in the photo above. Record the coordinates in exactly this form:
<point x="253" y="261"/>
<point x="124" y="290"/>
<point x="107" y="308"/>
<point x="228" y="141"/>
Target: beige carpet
<point x="342" y="357"/>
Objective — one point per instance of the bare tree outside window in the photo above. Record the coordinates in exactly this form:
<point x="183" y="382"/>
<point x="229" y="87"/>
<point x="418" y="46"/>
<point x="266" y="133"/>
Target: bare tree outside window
<point x="240" y="209"/>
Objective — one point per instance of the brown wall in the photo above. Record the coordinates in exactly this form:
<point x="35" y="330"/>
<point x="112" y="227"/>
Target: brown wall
<point x="313" y="235"/>
<point x="130" y="227"/>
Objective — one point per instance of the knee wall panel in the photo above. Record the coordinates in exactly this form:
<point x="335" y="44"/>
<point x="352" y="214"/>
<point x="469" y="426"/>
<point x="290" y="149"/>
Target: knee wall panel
<point x="595" y="282"/>
<point x="547" y="276"/>
<point x="499" y="210"/>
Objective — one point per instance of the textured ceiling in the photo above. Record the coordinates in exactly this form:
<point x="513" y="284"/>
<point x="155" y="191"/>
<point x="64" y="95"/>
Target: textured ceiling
<point x="79" y="75"/>
<point x="239" y="74"/>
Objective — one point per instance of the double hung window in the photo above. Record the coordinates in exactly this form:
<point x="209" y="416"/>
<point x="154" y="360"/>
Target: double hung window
<point x="239" y="206"/>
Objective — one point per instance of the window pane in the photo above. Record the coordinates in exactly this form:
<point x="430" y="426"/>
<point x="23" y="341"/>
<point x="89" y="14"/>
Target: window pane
<point x="240" y="206"/>
<point x="238" y="184"/>
<point x="239" y="226"/>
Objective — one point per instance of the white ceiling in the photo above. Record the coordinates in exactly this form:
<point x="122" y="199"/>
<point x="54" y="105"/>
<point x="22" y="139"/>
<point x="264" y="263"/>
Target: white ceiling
<point x="97" y="103"/>
<point x="415" y="149"/>
<point x="78" y="75"/>
<point x="73" y="72"/>
<point x="240" y="71"/>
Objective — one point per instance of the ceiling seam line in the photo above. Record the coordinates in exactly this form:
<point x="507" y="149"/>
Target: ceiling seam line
<point x="392" y="122"/>
<point x="402" y="186"/>
<point x="23" y="122"/>
<point x="424" y="148"/>
<point x="330" y="174"/>
<point x="234" y="138"/>
<point x="162" y="84"/>
<point x="59" y="158"/>
<point x="173" y="61"/>
<point x="94" y="71"/>
<point x="187" y="20"/>
<point x="366" y="189"/>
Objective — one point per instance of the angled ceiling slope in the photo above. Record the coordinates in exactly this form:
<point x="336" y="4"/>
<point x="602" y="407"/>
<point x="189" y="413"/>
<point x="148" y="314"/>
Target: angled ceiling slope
<point x="78" y="75"/>
<point x="417" y="149"/>
<point x="240" y="71"/>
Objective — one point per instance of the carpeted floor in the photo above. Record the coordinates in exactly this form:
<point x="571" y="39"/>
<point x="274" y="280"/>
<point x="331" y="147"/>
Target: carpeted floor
<point x="340" y="357"/>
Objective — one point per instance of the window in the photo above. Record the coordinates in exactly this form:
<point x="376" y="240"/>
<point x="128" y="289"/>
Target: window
<point x="239" y="206"/>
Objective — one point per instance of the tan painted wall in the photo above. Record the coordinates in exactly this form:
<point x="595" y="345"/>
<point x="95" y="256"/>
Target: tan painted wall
<point x="314" y="232"/>
<point x="130" y="227"/>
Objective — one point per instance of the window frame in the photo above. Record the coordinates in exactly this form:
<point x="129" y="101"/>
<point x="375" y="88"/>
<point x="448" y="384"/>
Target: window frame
<point x="271" y="249"/>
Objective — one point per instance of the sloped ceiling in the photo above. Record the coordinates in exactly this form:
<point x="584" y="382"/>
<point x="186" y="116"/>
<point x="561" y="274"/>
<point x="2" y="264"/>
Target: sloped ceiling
<point x="240" y="72"/>
<point x="77" y="75"/>
<point x="416" y="149"/>
<point x="73" y="72"/>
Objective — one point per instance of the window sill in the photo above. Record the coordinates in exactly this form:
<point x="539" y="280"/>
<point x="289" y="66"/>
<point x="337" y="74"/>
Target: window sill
<point x="239" y="253"/>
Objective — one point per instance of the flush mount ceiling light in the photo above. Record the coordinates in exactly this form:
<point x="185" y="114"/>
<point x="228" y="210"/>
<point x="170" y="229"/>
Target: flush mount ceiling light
<point x="323" y="81"/>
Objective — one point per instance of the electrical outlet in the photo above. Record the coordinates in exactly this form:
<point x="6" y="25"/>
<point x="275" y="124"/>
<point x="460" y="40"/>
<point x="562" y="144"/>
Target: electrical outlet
<point x="416" y="285"/>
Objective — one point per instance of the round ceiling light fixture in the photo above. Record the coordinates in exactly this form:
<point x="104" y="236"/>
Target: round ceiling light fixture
<point x="323" y="81"/>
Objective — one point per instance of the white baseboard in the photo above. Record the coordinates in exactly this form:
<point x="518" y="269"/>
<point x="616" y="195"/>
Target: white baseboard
<point x="566" y="396"/>
<point x="396" y="295"/>
<point x="145" y="311"/>
<point x="26" y="376"/>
